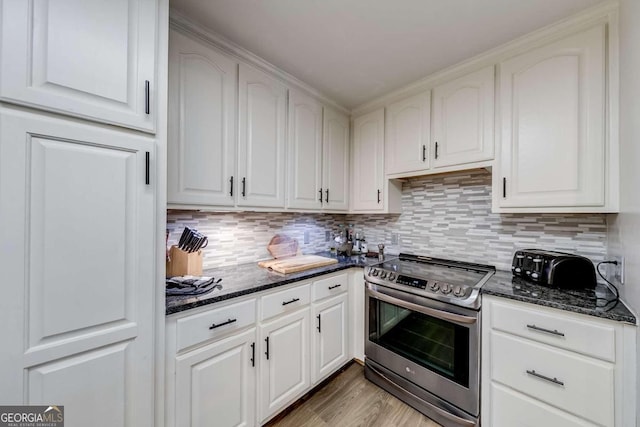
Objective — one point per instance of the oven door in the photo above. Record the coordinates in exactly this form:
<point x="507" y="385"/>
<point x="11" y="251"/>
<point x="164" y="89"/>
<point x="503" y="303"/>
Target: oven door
<point x="434" y="345"/>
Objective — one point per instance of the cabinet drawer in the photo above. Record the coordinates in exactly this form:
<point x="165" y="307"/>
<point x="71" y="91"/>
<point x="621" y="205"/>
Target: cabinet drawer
<point x="577" y="384"/>
<point x="510" y="408"/>
<point x="285" y="301"/>
<point x="214" y="323"/>
<point x="330" y="286"/>
<point x="555" y="328"/>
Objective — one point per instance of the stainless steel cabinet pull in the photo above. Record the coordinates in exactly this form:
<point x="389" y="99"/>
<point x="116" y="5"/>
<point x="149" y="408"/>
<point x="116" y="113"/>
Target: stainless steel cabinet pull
<point x="320" y="199"/>
<point x="267" y="352"/>
<point x="244" y="186"/>
<point x="319" y="320"/>
<point x="378" y="196"/>
<point x="147" y="95"/>
<point x="290" y="302"/>
<point x="231" y="184"/>
<point x="548" y="331"/>
<point x="436" y="150"/>
<point x="147" y="161"/>
<point x="253" y="354"/>
<point x="213" y="326"/>
<point x="544" y="377"/>
<point x="335" y="286"/>
<point x="327" y="198"/>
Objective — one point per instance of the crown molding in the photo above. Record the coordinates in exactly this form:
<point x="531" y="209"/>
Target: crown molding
<point x="182" y="23"/>
<point x="602" y="13"/>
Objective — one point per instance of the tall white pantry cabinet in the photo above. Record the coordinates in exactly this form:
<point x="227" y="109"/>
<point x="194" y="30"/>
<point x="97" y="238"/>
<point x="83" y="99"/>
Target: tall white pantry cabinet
<point x="82" y="106"/>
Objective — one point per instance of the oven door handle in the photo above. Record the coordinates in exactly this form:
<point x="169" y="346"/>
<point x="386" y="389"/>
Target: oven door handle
<point x="439" y="314"/>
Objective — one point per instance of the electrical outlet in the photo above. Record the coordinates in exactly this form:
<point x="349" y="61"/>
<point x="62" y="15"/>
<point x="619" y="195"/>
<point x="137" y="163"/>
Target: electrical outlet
<point x="394" y="239"/>
<point x="618" y="270"/>
<point x="306" y="237"/>
<point x="327" y="236"/>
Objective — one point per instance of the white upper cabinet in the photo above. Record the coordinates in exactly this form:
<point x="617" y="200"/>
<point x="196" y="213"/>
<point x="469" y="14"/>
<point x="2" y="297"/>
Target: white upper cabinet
<point x="305" y="152"/>
<point x="407" y="146"/>
<point x="463" y="118"/>
<point x="335" y="160"/>
<point x="89" y="59"/>
<point x="261" y="147"/>
<point x="368" y="152"/>
<point x="202" y="124"/>
<point x="553" y="145"/>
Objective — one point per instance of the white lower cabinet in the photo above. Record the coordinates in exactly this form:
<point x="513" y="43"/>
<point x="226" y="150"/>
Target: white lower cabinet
<point x="542" y="366"/>
<point x="284" y="368"/>
<point x="241" y="362"/>
<point x="215" y="384"/>
<point x="330" y="336"/>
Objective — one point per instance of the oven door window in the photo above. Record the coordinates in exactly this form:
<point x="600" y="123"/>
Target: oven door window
<point x="438" y="345"/>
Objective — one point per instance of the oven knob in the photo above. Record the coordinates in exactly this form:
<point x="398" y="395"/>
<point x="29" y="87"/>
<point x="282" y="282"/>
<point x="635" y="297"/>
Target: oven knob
<point x="392" y="276"/>
<point x="458" y="291"/>
<point x="434" y="286"/>
<point x="374" y="272"/>
<point x="383" y="274"/>
<point x="445" y="289"/>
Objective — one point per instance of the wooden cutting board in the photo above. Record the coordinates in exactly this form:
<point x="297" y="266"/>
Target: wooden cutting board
<point x="282" y="246"/>
<point x="297" y="263"/>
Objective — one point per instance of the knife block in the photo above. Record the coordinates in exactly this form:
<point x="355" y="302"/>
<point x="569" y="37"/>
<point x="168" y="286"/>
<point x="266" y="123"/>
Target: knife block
<point x="183" y="263"/>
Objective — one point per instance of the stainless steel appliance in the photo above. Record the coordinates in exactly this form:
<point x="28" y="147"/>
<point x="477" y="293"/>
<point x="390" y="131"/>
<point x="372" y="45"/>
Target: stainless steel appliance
<point x="553" y="268"/>
<point x="423" y="334"/>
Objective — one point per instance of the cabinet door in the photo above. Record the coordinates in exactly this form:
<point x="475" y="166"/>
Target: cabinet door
<point x="553" y="131"/>
<point x="368" y="172"/>
<point x="305" y="152"/>
<point x="261" y="150"/>
<point x="215" y="385"/>
<point x="284" y="370"/>
<point x="90" y="59"/>
<point x="78" y="238"/>
<point x="463" y="119"/>
<point x="408" y="129"/>
<point x="202" y="116"/>
<point x="330" y="345"/>
<point x="335" y="160"/>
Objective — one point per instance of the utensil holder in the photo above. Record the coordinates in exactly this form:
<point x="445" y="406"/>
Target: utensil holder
<point x="183" y="263"/>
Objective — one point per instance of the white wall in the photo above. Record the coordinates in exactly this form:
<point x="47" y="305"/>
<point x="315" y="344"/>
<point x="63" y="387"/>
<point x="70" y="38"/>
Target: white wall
<point x="624" y="228"/>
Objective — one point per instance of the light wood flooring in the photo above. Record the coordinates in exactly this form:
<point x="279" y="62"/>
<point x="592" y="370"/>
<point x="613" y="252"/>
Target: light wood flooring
<point x="350" y="400"/>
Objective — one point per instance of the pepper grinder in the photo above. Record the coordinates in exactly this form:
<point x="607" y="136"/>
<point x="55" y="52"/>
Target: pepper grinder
<point x="380" y="251"/>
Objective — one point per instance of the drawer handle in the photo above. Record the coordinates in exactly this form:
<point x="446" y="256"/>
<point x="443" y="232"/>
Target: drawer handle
<point x="548" y="331"/>
<point x="335" y="286"/>
<point x="213" y="326"/>
<point x="544" y="377"/>
<point x="290" y="302"/>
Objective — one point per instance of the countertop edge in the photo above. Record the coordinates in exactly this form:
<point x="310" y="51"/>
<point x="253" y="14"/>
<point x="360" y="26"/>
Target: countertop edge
<point x="631" y="319"/>
<point x="262" y="287"/>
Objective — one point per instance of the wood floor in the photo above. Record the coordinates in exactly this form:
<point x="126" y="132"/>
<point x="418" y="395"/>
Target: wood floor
<point x="350" y="400"/>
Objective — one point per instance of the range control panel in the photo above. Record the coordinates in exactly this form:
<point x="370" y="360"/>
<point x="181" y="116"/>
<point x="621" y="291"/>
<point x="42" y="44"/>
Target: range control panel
<point x="438" y="287"/>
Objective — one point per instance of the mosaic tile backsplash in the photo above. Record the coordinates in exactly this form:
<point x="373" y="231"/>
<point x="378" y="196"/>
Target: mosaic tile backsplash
<point x="446" y="216"/>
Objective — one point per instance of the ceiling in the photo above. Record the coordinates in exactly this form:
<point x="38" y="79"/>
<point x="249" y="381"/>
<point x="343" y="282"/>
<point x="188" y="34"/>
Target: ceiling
<point x="356" y="50"/>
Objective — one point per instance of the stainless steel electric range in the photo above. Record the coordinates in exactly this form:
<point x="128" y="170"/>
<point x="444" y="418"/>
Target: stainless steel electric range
<point x="423" y="334"/>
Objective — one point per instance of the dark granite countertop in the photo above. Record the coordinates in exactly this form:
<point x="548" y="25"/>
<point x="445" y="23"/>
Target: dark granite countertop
<point x="246" y="279"/>
<point x="584" y="301"/>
